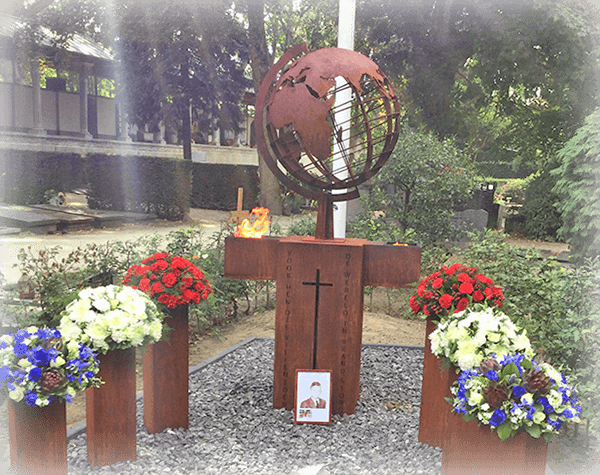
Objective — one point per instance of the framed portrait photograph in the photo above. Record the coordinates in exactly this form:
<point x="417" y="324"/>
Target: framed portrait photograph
<point x="313" y="396"/>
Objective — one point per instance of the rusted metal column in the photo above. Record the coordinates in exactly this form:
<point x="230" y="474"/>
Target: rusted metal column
<point x="470" y="448"/>
<point x="319" y="317"/>
<point x="166" y="376"/>
<point x="435" y="387"/>
<point x="110" y="410"/>
<point x="38" y="438"/>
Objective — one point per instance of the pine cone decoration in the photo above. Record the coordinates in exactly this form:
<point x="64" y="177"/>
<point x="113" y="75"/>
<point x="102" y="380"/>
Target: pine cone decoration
<point x="487" y="365"/>
<point x="50" y="381"/>
<point x="536" y="380"/>
<point x="495" y="395"/>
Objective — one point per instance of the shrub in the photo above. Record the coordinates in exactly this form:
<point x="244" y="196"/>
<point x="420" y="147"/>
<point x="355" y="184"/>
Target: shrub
<point x="420" y="184"/>
<point x="578" y="188"/>
<point x="541" y="220"/>
<point x="144" y="184"/>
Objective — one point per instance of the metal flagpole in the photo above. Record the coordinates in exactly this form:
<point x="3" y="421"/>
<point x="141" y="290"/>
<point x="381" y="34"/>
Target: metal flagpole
<point x="346" y="21"/>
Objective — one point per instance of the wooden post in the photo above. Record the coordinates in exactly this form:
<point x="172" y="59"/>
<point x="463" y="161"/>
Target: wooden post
<point x="239" y="213"/>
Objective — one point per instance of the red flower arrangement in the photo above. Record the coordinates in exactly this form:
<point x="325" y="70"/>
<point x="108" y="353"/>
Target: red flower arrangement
<point x="452" y="289"/>
<point x="172" y="281"/>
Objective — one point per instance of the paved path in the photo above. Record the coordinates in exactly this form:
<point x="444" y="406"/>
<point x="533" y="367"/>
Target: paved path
<point x="209" y="220"/>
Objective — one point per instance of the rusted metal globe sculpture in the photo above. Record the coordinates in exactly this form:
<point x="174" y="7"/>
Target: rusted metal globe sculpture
<point x="299" y="132"/>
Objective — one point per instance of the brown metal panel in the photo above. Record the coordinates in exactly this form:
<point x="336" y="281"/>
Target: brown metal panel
<point x="319" y="285"/>
<point x="247" y="258"/>
<point x="110" y="410"/>
<point x="470" y="448"/>
<point x="391" y="266"/>
<point x="435" y="387"/>
<point x="38" y="438"/>
<point x="166" y="376"/>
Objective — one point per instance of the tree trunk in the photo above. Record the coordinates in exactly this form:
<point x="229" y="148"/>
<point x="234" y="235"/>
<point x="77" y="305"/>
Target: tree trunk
<point x="270" y="195"/>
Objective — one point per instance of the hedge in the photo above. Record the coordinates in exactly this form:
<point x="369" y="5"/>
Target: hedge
<point x="25" y="176"/>
<point x="139" y="183"/>
<point x="214" y="186"/>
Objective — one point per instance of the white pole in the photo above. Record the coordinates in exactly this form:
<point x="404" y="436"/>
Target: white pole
<point x="345" y="40"/>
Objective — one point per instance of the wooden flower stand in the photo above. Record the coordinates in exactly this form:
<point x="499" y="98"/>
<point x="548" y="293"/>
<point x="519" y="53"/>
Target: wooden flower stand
<point x="166" y="376"/>
<point x="470" y="448"/>
<point x="111" y="409"/>
<point x="434" y="389"/>
<point x="38" y="438"/>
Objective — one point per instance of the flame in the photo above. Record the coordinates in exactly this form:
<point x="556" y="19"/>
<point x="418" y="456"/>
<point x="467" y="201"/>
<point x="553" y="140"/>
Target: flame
<point x="400" y="244"/>
<point x="256" y="230"/>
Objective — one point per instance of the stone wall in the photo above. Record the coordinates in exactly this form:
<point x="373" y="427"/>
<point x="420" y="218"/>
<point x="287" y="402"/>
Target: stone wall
<point x="203" y="153"/>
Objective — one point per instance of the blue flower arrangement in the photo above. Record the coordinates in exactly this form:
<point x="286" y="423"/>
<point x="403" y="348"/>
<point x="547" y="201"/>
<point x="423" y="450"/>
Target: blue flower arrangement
<point x="37" y="365"/>
<point x="514" y="394"/>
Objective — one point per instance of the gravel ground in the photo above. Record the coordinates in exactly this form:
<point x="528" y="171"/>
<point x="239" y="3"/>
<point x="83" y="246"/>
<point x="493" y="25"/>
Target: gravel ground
<point x="235" y="430"/>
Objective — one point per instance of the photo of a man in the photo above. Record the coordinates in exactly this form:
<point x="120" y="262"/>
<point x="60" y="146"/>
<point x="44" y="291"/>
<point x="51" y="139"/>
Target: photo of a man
<point x="314" y="401"/>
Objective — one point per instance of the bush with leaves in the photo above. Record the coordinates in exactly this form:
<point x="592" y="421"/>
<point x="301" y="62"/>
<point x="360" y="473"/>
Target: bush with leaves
<point x="578" y="188"/>
<point x="541" y="220"/>
<point x="420" y="185"/>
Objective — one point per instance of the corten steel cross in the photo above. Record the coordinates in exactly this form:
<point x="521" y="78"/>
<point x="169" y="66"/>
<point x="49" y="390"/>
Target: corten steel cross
<point x="321" y="280"/>
<point x="319" y="304"/>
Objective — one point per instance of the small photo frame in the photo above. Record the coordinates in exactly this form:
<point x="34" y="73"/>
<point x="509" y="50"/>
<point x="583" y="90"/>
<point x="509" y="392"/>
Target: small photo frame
<point x="313" y="396"/>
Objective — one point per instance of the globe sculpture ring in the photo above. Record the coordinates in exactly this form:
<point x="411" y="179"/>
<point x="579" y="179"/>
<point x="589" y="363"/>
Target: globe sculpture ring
<point x="326" y="121"/>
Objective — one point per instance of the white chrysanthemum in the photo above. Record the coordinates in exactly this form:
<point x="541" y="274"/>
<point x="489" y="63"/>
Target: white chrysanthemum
<point x="475" y="398"/>
<point x="118" y="336"/>
<point x="69" y="329"/>
<point x="103" y="305"/>
<point x="521" y="342"/>
<point x="467" y="356"/>
<point x="116" y="319"/>
<point x="77" y="309"/>
<point x="479" y="338"/>
<point x="552" y="372"/>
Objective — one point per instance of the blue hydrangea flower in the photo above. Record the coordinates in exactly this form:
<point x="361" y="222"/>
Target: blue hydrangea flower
<point x="40" y="356"/>
<point x="517" y="358"/>
<point x="20" y="349"/>
<point x="567" y="413"/>
<point x="35" y="374"/>
<point x="4" y="373"/>
<point x="547" y="406"/>
<point x="491" y="374"/>
<point x="498" y="417"/>
<point x="21" y="335"/>
<point x="3" y="345"/>
<point x="30" y="397"/>
<point x="555" y="424"/>
<point x="518" y="391"/>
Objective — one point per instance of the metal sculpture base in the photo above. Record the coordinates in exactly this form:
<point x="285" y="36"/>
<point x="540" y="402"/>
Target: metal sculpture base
<point x="319" y="310"/>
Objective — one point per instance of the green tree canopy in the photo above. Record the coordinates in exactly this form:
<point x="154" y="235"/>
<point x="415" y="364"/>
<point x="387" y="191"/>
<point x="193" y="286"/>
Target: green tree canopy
<point x="578" y="187"/>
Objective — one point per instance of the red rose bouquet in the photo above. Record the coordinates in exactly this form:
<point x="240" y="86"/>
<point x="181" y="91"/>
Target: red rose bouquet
<point x="171" y="281"/>
<point x="452" y="289"/>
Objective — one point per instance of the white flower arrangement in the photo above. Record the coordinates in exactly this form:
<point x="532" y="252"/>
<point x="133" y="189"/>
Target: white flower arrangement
<point x="467" y="338"/>
<point x="112" y="317"/>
